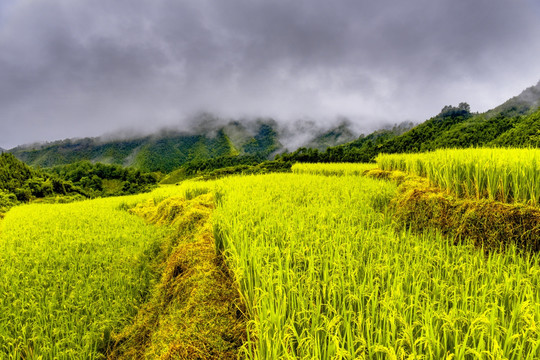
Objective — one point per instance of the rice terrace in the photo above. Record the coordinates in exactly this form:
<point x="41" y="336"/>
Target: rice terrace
<point x="315" y="262"/>
<point x="269" y="180"/>
<point x="314" y="254"/>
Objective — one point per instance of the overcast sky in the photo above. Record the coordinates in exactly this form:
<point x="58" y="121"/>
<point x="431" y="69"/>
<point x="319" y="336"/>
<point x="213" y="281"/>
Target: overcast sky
<point x="75" y="68"/>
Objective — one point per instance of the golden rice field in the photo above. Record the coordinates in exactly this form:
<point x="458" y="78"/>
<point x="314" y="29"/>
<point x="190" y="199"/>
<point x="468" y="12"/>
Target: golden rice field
<point x="507" y="175"/>
<point x="332" y="169"/>
<point x="322" y="270"/>
<point x="70" y="274"/>
<point x="326" y="276"/>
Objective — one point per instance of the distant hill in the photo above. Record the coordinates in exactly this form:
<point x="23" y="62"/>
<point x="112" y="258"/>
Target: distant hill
<point x="359" y="150"/>
<point x="528" y="100"/>
<point x="168" y="150"/>
<point x="341" y="134"/>
<point x="246" y="142"/>
<point x="514" y="123"/>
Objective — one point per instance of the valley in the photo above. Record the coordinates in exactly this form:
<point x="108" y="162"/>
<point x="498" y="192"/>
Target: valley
<point x="415" y="255"/>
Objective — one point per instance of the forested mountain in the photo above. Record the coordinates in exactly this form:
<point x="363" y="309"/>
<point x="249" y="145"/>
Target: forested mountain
<point x="212" y="144"/>
<point x="168" y="150"/>
<point x="163" y="152"/>
<point x="515" y="123"/>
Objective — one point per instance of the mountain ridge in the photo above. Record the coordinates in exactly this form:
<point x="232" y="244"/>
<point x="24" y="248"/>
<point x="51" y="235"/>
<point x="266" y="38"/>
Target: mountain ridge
<point x="168" y="149"/>
<point x="516" y="122"/>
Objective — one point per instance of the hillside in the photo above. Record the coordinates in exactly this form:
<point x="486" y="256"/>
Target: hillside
<point x="260" y="255"/>
<point x="360" y="150"/>
<point x="167" y="150"/>
<point x="514" y="123"/>
<point x="164" y="151"/>
<point x="20" y="183"/>
<point x="341" y="134"/>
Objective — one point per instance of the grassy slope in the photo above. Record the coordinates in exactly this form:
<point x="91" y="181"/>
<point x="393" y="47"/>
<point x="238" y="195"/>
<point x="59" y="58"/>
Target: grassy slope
<point x="76" y="274"/>
<point x="326" y="274"/>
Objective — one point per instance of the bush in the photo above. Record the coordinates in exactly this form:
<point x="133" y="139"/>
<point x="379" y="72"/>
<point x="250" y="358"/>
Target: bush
<point x="7" y="200"/>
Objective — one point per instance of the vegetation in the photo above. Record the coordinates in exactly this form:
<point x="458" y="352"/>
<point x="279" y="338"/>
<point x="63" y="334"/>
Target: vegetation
<point x="507" y="175"/>
<point x="225" y="166"/>
<point x="361" y="150"/>
<point x="196" y="167"/>
<point x="526" y="133"/>
<point x="337" y="169"/>
<point x="515" y="123"/>
<point x="71" y="276"/>
<point x="453" y="130"/>
<point x="322" y="270"/>
<point x="490" y="225"/>
<point x="168" y="153"/>
<point x="106" y="180"/>
<point x="195" y="311"/>
<point x="19" y="183"/>
<point x="163" y="152"/>
<point x="327" y="276"/>
<point x="341" y="134"/>
<point x="318" y="259"/>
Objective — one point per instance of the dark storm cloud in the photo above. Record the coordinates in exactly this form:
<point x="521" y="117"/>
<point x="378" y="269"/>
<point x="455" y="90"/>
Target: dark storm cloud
<point x="87" y="67"/>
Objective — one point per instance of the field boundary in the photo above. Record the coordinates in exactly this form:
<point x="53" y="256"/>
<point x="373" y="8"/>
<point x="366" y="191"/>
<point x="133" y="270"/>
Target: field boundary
<point x="490" y="224"/>
<point x="195" y="311"/>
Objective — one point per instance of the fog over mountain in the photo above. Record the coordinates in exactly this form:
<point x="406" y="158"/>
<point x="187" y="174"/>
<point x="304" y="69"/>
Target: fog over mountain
<point x="90" y="67"/>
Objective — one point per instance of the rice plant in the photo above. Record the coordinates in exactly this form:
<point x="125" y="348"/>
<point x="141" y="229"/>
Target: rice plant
<point x="71" y="275"/>
<point x="322" y="271"/>
<point x="332" y="169"/>
<point x="507" y="175"/>
<point x="325" y="276"/>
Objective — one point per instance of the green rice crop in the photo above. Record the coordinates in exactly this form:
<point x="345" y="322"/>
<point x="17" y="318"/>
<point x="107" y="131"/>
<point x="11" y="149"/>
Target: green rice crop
<point x="332" y="169"/>
<point x="322" y="271"/>
<point x="507" y="175"/>
<point x="325" y="276"/>
<point x="71" y="274"/>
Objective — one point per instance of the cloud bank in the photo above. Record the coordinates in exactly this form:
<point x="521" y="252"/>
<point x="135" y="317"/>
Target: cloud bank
<point x="74" y="68"/>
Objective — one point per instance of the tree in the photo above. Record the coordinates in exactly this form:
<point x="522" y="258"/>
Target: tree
<point x="465" y="107"/>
